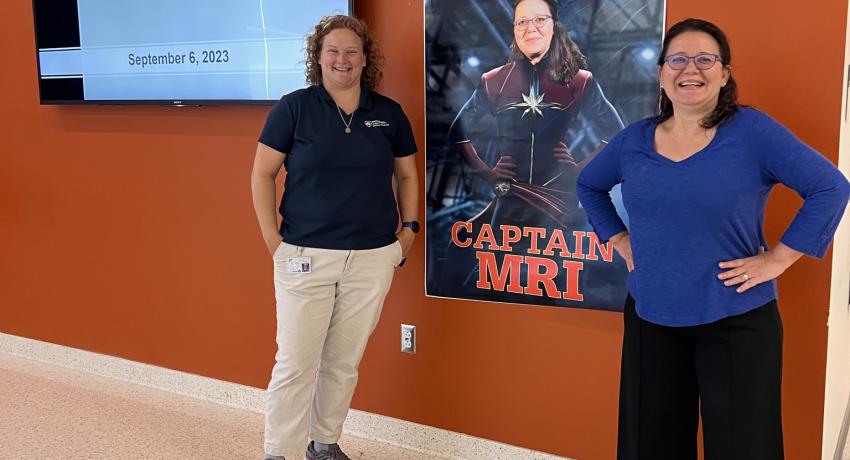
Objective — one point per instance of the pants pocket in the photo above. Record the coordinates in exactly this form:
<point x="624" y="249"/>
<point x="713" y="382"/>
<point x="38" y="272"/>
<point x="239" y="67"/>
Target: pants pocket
<point x="400" y="252"/>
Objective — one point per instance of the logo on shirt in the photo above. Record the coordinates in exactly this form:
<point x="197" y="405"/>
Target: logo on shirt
<point x="375" y="123"/>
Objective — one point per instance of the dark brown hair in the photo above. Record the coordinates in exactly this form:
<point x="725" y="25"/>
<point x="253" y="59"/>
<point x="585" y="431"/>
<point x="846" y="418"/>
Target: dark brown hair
<point x="565" y="59"/>
<point x="372" y="74"/>
<point x="727" y="100"/>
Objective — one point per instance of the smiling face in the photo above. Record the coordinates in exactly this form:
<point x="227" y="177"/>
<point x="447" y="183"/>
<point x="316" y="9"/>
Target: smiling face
<point x="692" y="88"/>
<point x="342" y="59"/>
<point x="533" y="41"/>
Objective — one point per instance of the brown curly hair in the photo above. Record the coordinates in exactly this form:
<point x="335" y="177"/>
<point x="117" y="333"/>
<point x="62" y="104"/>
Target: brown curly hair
<point x="372" y="74"/>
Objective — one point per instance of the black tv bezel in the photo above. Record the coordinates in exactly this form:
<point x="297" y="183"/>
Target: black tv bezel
<point x="147" y="102"/>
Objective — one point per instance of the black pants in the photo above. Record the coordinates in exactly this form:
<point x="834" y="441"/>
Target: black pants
<point x="730" y="371"/>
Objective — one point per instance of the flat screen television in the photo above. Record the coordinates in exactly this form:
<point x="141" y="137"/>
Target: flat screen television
<point x="173" y="52"/>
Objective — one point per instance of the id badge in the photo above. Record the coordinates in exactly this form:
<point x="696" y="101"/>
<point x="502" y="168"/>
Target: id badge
<point x="299" y="264"/>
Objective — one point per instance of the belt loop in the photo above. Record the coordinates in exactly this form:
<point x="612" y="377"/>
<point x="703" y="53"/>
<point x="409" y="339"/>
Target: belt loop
<point x="299" y="251"/>
<point x="349" y="258"/>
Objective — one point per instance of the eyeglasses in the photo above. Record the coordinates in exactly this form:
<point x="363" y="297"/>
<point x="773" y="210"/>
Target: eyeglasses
<point x="702" y="61"/>
<point x="537" y="21"/>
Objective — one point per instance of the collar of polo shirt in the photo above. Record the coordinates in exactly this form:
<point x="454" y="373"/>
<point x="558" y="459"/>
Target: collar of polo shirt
<point x="366" y="101"/>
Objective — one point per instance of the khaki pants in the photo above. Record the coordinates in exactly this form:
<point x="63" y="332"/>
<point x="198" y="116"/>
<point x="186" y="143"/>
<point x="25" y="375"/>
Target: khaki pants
<point x="324" y="320"/>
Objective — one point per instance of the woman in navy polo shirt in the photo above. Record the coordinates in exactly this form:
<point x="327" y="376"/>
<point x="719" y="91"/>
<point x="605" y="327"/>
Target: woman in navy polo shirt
<point x="339" y="240"/>
<point x="702" y="330"/>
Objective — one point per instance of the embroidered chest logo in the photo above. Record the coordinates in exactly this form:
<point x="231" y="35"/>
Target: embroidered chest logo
<point x="375" y="123"/>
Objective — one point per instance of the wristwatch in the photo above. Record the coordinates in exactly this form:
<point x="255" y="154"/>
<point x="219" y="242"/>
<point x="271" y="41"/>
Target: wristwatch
<point x="412" y="224"/>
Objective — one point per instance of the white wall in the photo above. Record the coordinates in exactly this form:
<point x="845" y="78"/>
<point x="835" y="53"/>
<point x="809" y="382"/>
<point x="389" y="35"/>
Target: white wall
<point x="838" y="350"/>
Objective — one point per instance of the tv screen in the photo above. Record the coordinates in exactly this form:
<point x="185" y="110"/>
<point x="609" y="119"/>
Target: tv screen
<point x="174" y="52"/>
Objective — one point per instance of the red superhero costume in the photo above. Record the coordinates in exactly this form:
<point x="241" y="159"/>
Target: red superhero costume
<point x="534" y="178"/>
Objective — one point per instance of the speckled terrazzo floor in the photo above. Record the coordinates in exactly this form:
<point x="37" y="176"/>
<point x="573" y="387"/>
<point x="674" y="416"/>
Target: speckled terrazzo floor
<point x="49" y="412"/>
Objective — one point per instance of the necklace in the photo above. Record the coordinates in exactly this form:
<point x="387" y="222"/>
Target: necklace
<point x="350" y="119"/>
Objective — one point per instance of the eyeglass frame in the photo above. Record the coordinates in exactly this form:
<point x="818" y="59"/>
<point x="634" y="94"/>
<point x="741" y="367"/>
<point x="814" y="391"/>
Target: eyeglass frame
<point x="530" y="21"/>
<point x="716" y="57"/>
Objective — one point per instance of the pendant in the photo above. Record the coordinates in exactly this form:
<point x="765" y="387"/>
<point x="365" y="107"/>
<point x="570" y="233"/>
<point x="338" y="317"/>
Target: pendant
<point x="347" y="130"/>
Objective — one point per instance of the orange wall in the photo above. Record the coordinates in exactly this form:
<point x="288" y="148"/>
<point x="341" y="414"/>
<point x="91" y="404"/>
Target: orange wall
<point x="129" y="231"/>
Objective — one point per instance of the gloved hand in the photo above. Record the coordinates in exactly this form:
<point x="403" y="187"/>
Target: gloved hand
<point x="505" y="170"/>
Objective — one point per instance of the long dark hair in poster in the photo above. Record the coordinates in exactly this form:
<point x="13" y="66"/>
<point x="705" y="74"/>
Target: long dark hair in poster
<point x="520" y="96"/>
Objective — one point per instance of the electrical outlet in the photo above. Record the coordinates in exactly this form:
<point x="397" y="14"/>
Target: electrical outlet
<point x="408" y="338"/>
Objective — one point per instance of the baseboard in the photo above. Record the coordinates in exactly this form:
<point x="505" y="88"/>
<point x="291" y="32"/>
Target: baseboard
<point x="409" y="435"/>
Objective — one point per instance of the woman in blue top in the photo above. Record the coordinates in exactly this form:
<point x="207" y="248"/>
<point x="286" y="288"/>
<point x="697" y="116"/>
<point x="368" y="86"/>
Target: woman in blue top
<point x="702" y="331"/>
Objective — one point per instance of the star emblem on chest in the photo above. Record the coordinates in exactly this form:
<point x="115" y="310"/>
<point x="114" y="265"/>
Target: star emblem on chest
<point x="532" y="104"/>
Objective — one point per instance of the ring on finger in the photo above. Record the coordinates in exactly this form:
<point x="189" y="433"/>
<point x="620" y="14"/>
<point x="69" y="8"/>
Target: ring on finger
<point x="746" y="277"/>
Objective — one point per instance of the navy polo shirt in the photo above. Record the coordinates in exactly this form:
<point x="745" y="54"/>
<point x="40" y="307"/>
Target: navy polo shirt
<point x="338" y="191"/>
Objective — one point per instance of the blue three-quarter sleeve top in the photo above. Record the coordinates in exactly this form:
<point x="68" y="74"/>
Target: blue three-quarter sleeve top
<point x="685" y="217"/>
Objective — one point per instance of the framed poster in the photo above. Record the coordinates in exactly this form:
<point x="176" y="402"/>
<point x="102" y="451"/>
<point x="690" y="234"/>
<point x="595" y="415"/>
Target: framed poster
<point x="519" y="98"/>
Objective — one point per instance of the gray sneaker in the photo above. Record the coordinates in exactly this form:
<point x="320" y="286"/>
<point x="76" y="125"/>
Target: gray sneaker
<point x="333" y="453"/>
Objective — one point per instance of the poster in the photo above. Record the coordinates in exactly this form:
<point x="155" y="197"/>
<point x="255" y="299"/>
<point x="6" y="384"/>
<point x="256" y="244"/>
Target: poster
<point x="517" y="103"/>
